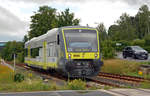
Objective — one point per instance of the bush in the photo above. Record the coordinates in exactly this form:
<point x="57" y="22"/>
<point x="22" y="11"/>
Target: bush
<point x="18" y="77"/>
<point x="147" y="40"/>
<point x="107" y="50"/>
<point x="76" y="84"/>
<point x="138" y="42"/>
<point x="147" y="48"/>
<point x="20" y="57"/>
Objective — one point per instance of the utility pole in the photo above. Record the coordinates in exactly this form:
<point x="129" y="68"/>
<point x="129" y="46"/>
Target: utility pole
<point x="14" y="62"/>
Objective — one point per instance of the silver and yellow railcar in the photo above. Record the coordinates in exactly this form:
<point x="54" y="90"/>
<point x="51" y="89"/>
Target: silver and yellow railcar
<point x="71" y="50"/>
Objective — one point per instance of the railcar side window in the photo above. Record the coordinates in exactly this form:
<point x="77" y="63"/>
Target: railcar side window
<point x="51" y="49"/>
<point x="34" y="52"/>
<point x="58" y="39"/>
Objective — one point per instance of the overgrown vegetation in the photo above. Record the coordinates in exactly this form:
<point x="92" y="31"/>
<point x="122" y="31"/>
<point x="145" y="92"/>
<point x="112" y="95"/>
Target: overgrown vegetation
<point x="107" y="50"/>
<point x="6" y="74"/>
<point x="124" y="67"/>
<point x="18" y="77"/>
<point x="76" y="84"/>
<point x="30" y="83"/>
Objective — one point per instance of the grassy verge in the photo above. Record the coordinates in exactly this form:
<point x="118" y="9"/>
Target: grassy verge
<point x="123" y="67"/>
<point x="28" y="85"/>
<point x="33" y="82"/>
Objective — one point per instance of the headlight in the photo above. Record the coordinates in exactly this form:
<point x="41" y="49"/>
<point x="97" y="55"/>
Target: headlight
<point x="96" y="55"/>
<point x="69" y="55"/>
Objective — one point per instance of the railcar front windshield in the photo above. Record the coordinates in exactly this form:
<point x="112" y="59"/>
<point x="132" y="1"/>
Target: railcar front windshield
<point x="81" y="40"/>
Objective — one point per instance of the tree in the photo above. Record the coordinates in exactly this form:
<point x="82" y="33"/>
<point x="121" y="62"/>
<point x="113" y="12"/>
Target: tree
<point x="143" y="21"/>
<point x="124" y="30"/>
<point x="13" y="47"/>
<point x="127" y="29"/>
<point x="47" y="18"/>
<point x="42" y="21"/>
<point x="25" y="39"/>
<point x="114" y="32"/>
<point x="67" y="19"/>
<point x="102" y="32"/>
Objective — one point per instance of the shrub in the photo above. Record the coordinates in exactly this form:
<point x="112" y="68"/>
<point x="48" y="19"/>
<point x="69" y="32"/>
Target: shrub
<point x="138" y="42"/>
<point x="18" y="77"/>
<point x="107" y="50"/>
<point x="76" y="84"/>
<point x="147" y="48"/>
<point x="20" y="57"/>
<point x="147" y="40"/>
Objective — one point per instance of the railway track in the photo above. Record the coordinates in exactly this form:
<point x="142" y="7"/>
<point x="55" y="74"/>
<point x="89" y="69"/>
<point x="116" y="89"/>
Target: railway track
<point x="117" y="80"/>
<point x="123" y="77"/>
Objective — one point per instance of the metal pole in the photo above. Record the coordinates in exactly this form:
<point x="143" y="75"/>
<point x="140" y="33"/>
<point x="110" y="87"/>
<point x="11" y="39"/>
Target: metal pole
<point x="14" y="62"/>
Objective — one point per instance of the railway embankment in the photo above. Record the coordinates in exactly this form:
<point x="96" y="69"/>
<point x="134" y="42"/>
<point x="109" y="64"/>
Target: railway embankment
<point x="37" y="81"/>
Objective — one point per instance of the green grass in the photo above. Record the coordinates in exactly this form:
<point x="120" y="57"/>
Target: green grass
<point x="123" y="67"/>
<point x="145" y="85"/>
<point x="34" y="85"/>
<point x="6" y="74"/>
<point x="146" y="63"/>
<point x="31" y="82"/>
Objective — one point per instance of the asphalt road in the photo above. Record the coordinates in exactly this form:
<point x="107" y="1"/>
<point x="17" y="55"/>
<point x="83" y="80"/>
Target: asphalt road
<point x="119" y="55"/>
<point x="59" y="93"/>
<point x="101" y="92"/>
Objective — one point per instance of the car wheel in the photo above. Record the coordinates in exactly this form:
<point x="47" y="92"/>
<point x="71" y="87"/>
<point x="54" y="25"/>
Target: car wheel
<point x="146" y="58"/>
<point x="133" y="56"/>
<point x="124" y="56"/>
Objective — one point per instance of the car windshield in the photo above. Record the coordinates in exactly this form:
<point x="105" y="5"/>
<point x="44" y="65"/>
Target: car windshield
<point x="137" y="48"/>
<point x="78" y="40"/>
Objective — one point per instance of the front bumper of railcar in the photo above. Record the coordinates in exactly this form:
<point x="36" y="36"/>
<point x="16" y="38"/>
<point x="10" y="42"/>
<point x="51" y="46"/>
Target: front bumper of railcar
<point x="83" y="64"/>
<point x="83" y="68"/>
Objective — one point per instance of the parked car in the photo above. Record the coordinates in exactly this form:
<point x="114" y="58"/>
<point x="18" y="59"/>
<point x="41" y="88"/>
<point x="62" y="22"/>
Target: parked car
<point x="135" y="52"/>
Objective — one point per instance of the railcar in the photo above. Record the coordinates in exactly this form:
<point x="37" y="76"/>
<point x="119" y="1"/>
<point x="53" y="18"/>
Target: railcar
<point x="73" y="51"/>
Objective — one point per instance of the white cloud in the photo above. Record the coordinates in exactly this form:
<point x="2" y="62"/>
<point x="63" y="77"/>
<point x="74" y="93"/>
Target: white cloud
<point x="10" y="25"/>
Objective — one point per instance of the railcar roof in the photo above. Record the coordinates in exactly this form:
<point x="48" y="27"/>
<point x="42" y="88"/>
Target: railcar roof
<point x="53" y="31"/>
<point x="76" y="27"/>
<point x="50" y="32"/>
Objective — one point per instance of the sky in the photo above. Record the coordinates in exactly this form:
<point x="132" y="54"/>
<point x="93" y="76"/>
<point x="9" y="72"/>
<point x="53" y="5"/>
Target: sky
<point x="15" y="14"/>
